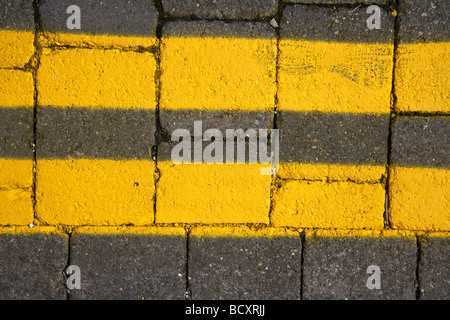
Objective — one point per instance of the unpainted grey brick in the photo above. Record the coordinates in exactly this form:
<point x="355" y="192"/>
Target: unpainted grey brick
<point x="244" y="268"/>
<point x="335" y="268"/>
<point x="221" y="9"/>
<point x="435" y="268"/>
<point x="32" y="265"/>
<point x="114" y="17"/>
<point x="129" y="267"/>
<point x="16" y="132"/>
<point x="17" y="15"/>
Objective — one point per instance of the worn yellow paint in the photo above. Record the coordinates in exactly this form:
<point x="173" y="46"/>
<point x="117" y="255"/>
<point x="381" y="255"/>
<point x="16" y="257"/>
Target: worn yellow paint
<point x="335" y="77"/>
<point x="49" y="39"/>
<point x="353" y="233"/>
<point x="16" y="48"/>
<point x="320" y="204"/>
<point x="96" y="78"/>
<point x="422" y="77"/>
<point x="95" y="192"/>
<point x="419" y="199"/>
<point x="242" y="231"/>
<point x="326" y="172"/>
<point x="164" y="231"/>
<point x="218" y="73"/>
<point x="212" y="193"/>
<point x="16" y="88"/>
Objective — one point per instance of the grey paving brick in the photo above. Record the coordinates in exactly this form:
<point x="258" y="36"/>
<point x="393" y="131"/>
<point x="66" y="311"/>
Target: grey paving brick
<point x="221" y="9"/>
<point x="116" y="17"/>
<point x="342" y="24"/>
<point x="217" y="119"/>
<point x="377" y="2"/>
<point x="244" y="268"/>
<point x="335" y="268"/>
<point x="435" y="268"/>
<point x="421" y="141"/>
<point x="32" y="265"/>
<point x="129" y="267"/>
<point x="64" y="133"/>
<point x="16" y="132"/>
<point x="315" y="137"/>
<point x="17" y="15"/>
<point x="424" y="21"/>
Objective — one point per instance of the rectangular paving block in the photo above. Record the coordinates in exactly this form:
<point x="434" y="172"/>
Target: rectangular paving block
<point x="211" y="193"/>
<point x="16" y="33"/>
<point x="213" y="70"/>
<point x="330" y="61"/>
<point x="95" y="166"/>
<point x="32" y="262"/>
<point x="422" y="70"/>
<point x="129" y="263"/>
<point x="16" y="153"/>
<point x="333" y="146"/>
<point x="221" y="9"/>
<point x="96" y="78"/>
<point x="338" y="266"/>
<point x="320" y="204"/>
<point x="239" y="263"/>
<point x="434" y="269"/>
<point x="420" y="175"/>
<point x="113" y="23"/>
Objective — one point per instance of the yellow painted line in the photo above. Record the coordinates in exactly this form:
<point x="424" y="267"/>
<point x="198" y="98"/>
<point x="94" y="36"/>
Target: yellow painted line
<point x="212" y="193"/>
<point x="16" y="179"/>
<point x="16" y="88"/>
<point x="320" y="204"/>
<point x="420" y="199"/>
<point x="164" y="231"/>
<point x="49" y="39"/>
<point x="343" y="233"/>
<point x="422" y="77"/>
<point x="325" y="172"/>
<point x="96" y="78"/>
<point x="16" y="48"/>
<point x="16" y="206"/>
<point x="218" y="73"/>
<point x="242" y="231"/>
<point x="15" y="173"/>
<point x="47" y="230"/>
<point x="95" y="192"/>
<point x="335" y="77"/>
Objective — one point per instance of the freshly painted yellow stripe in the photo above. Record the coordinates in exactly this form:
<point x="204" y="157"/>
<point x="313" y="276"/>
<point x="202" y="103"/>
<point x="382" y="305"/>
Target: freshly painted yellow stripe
<point x="49" y="39"/>
<point x="212" y="193"/>
<point x="164" y="231"/>
<point x="328" y="205"/>
<point x="335" y="77"/>
<point x="242" y="231"/>
<point x="16" y="88"/>
<point x="47" y="230"/>
<point x="95" y="192"/>
<point x="326" y="172"/>
<point x="16" y="48"/>
<point x="345" y="233"/>
<point x="218" y="73"/>
<point x="420" y="199"/>
<point x="96" y="78"/>
<point x="422" y="77"/>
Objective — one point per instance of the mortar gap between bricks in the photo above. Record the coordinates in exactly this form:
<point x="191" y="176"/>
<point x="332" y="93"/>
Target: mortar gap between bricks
<point x="418" y="279"/>
<point x="387" y="223"/>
